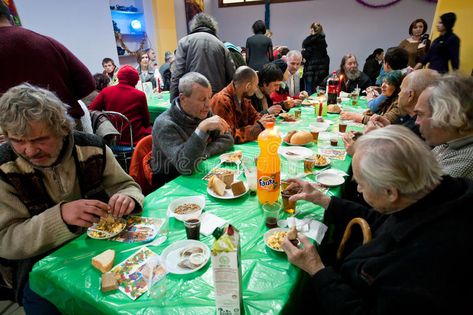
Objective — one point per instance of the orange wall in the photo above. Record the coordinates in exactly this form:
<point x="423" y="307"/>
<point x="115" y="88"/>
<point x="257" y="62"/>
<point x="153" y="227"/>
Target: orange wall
<point x="165" y="22"/>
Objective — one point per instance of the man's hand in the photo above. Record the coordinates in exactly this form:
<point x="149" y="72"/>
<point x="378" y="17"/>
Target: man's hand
<point x="267" y="118"/>
<point x="375" y="122"/>
<point x="348" y="142"/>
<point x="306" y="258"/>
<point x="275" y="110"/>
<point x="121" y="205"/>
<point x="309" y="192"/>
<point x="214" y="123"/>
<point x="84" y="212"/>
<point x="351" y="116"/>
<point x="303" y="95"/>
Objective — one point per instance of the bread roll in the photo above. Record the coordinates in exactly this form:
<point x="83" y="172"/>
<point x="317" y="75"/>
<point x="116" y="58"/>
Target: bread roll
<point x="109" y="282"/>
<point x="301" y="138"/>
<point x="287" y="138"/>
<point x="334" y="108"/>
<point x="238" y="188"/>
<point x="104" y="261"/>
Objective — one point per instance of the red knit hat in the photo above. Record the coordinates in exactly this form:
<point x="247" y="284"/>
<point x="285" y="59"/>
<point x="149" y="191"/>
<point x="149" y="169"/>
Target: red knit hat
<point x="128" y="75"/>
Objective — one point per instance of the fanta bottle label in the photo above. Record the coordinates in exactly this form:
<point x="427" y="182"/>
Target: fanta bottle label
<point x="269" y="182"/>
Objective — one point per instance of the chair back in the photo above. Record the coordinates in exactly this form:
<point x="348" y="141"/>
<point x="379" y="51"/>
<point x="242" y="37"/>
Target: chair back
<point x="123" y="146"/>
<point x="140" y="169"/>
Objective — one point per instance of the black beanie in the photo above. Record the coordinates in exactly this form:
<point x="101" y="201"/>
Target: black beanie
<point x="448" y="20"/>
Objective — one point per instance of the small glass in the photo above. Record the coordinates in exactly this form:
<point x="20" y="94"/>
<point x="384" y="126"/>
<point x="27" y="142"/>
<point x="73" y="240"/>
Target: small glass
<point x="315" y="135"/>
<point x="334" y="142"/>
<point x="342" y="126"/>
<point x="192" y="229"/>
<point x="309" y="164"/>
<point x="289" y="206"/>
<point x="354" y="96"/>
<point x="249" y="165"/>
<point x="271" y="214"/>
<point x="158" y="289"/>
<point x="297" y="114"/>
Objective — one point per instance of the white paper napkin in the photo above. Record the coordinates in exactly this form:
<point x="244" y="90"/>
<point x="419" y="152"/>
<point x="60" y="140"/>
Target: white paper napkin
<point x="209" y="222"/>
<point x="310" y="228"/>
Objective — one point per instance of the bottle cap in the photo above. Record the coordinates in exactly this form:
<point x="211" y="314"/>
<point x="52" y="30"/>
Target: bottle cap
<point x="269" y="124"/>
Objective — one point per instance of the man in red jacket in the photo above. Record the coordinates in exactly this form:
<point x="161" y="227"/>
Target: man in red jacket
<point x="26" y="56"/>
<point x="125" y="99"/>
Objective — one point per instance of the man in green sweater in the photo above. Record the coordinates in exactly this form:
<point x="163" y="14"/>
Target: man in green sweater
<point x="54" y="183"/>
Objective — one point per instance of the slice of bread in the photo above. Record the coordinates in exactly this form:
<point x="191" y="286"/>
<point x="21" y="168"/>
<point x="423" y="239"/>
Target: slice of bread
<point x="217" y="185"/>
<point x="104" y="261"/>
<point x="227" y="178"/>
<point x="109" y="282"/>
<point x="238" y="188"/>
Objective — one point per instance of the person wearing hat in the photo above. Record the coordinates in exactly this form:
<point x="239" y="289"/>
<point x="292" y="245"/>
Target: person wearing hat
<point x="389" y="108"/>
<point x="125" y="99"/>
<point x="444" y="48"/>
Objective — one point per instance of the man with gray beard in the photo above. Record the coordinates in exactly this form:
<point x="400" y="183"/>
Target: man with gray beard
<point x="352" y="76"/>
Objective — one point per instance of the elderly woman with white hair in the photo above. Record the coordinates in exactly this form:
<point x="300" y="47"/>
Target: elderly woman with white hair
<point x="416" y="262"/>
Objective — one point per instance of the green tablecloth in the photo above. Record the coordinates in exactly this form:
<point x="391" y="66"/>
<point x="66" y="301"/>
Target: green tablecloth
<point x="67" y="278"/>
<point x="157" y="105"/>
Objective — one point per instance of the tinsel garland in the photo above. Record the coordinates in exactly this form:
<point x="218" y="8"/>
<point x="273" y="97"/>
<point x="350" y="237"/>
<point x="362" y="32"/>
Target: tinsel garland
<point x="119" y="39"/>
<point x="377" y="6"/>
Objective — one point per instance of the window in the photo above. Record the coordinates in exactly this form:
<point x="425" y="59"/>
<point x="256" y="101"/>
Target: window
<point x="234" y="3"/>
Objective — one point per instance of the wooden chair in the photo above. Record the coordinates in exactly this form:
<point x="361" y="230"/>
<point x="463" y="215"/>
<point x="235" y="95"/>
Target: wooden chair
<point x="365" y="229"/>
<point x="139" y="166"/>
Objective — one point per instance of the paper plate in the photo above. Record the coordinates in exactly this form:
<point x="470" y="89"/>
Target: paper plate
<point x="171" y="256"/>
<point x="228" y="193"/>
<point x="330" y="179"/>
<point x="99" y="236"/>
<point x="269" y="234"/>
<point x="295" y="152"/>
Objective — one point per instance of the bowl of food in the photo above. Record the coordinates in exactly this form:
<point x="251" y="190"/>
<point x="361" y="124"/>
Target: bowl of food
<point x="288" y="117"/>
<point x="107" y="227"/>
<point x="274" y="237"/>
<point x="186" y="208"/>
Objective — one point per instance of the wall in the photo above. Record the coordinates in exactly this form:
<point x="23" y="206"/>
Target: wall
<point x="464" y="11"/>
<point x="349" y="26"/>
<point x="84" y="27"/>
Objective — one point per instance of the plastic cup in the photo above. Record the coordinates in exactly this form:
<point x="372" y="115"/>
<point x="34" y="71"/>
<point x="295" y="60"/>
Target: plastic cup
<point x="271" y="214"/>
<point x="250" y="172"/>
<point x="315" y="135"/>
<point x="297" y="114"/>
<point x="289" y="206"/>
<point x="354" y="97"/>
<point x="309" y="164"/>
<point x="334" y="142"/>
<point x="342" y="126"/>
<point x="192" y="229"/>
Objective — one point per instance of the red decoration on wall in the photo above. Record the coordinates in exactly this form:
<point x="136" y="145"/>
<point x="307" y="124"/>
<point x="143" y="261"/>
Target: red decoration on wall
<point x="193" y="7"/>
<point x="383" y="4"/>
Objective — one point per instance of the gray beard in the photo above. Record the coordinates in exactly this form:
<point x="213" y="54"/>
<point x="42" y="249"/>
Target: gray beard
<point x="353" y="75"/>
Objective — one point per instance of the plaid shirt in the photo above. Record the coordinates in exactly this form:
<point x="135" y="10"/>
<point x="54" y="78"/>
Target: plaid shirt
<point x="242" y="118"/>
<point x="456" y="157"/>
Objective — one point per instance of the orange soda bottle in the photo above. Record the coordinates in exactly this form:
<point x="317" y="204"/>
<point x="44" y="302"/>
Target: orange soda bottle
<point x="268" y="165"/>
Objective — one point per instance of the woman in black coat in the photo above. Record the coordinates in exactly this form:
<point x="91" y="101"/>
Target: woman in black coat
<point x="373" y="64"/>
<point x="314" y="51"/>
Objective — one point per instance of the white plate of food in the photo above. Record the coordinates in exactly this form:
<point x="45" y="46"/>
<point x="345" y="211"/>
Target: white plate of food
<point x="185" y="256"/>
<point x="216" y="188"/>
<point x="321" y="160"/>
<point x="330" y="179"/>
<point x="232" y="157"/>
<point x="106" y="228"/>
<point x="288" y="118"/>
<point x="185" y="208"/>
<point x="295" y="152"/>
<point x="274" y="237"/>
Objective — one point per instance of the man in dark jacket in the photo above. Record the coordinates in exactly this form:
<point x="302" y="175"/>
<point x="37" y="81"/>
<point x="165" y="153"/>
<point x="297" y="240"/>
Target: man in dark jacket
<point x="201" y="51"/>
<point x="416" y="262"/>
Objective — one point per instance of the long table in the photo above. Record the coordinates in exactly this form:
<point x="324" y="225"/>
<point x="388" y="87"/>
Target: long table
<point x="158" y="104"/>
<point x="67" y="278"/>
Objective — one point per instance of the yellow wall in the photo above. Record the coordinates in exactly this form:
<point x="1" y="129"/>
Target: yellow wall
<point x="165" y="22"/>
<point x="464" y="11"/>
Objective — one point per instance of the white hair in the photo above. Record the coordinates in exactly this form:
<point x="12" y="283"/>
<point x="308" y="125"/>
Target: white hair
<point x="293" y="53"/>
<point x="394" y="157"/>
<point x="187" y="81"/>
<point x="451" y="103"/>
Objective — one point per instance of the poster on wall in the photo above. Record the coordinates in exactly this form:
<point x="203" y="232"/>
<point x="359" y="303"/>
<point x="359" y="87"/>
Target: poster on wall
<point x="192" y="8"/>
<point x="13" y="11"/>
